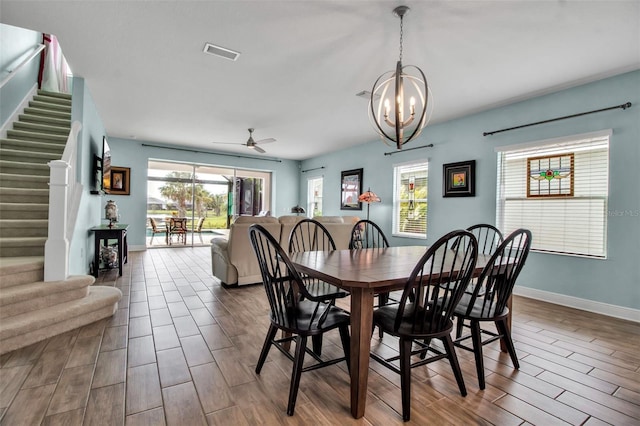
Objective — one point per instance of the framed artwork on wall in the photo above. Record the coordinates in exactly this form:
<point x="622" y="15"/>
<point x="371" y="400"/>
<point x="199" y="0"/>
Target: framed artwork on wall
<point x="350" y="189"/>
<point x="120" y="180"/>
<point x="459" y="179"/>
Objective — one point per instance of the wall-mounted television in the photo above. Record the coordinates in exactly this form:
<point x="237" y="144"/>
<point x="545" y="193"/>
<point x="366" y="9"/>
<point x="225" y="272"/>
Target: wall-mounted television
<point x="106" y="165"/>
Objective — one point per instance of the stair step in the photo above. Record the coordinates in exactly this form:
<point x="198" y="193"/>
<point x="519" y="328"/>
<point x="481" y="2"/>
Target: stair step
<point x="32" y="146"/>
<point x="21" y="167"/>
<point x="42" y="128"/>
<point x="37" y="295"/>
<point x="54" y="94"/>
<point x="25" y="329"/>
<point x="48" y="113"/>
<point x="18" y="228"/>
<point x="38" y="137"/>
<point x="50" y="107"/>
<point x="56" y="100"/>
<point x="28" y="156"/>
<point x="24" y="195"/>
<point x="51" y="121"/>
<point x="20" y="270"/>
<point x="16" y="180"/>
<point x="24" y="210"/>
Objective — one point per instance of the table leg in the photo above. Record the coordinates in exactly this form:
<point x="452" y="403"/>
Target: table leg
<point x="120" y="254"/>
<point x="361" y="326"/>
<point x="96" y="257"/>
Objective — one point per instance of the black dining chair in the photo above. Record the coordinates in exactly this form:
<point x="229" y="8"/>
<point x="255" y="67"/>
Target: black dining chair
<point x="489" y="299"/>
<point x="294" y="311"/>
<point x="489" y="237"/>
<point x="311" y="235"/>
<point x="426" y="308"/>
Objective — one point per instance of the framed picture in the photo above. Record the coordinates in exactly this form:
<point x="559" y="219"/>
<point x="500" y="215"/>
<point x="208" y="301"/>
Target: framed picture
<point x="350" y="189"/>
<point x="120" y="180"/>
<point x="459" y="179"/>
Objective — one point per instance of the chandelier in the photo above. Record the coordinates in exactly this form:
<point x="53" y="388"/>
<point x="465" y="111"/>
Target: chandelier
<point x="399" y="99"/>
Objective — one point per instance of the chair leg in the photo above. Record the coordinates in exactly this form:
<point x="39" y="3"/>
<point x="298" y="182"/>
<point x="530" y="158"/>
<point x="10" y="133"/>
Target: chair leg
<point x="265" y="347"/>
<point x="508" y="342"/>
<point x="316" y="342"/>
<point x="298" y="360"/>
<point x="476" y="337"/>
<point x="405" y="378"/>
<point x="459" y="327"/>
<point x="453" y="360"/>
<point x="423" y="354"/>
<point x="346" y="345"/>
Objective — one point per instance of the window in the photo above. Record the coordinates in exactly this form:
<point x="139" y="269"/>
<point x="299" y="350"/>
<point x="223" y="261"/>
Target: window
<point x="558" y="189"/>
<point x="314" y="197"/>
<point x="410" y="200"/>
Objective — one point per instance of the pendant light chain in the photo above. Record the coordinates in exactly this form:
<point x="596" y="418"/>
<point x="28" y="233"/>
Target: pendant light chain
<point x="401" y="34"/>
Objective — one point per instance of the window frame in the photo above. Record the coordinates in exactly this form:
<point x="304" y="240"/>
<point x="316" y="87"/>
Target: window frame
<point x="585" y="142"/>
<point x="398" y="170"/>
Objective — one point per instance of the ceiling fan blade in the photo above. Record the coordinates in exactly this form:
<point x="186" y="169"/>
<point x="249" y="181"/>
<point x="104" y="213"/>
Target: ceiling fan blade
<point x="260" y="150"/>
<point x="268" y="140"/>
<point x="229" y="143"/>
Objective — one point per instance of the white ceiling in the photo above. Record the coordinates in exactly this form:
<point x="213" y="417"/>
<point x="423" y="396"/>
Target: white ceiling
<point x="302" y="62"/>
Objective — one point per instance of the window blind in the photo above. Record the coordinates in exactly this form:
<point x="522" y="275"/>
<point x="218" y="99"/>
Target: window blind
<point x="561" y="221"/>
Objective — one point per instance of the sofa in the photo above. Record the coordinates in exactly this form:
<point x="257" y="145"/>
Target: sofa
<point x="233" y="260"/>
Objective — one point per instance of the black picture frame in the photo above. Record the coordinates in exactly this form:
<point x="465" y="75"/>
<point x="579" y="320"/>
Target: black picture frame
<point x="350" y="189"/>
<point x="459" y="179"/>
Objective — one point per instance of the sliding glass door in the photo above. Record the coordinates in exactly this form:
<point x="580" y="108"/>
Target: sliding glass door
<point x="204" y="198"/>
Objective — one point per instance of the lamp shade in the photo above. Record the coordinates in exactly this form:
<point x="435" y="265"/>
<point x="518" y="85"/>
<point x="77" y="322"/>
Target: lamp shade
<point x="369" y="197"/>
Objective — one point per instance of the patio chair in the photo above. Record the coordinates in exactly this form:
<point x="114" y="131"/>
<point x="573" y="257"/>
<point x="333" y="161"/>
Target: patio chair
<point x="155" y="230"/>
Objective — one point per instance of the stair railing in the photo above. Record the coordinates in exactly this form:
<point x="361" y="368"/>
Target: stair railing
<point x="65" y="193"/>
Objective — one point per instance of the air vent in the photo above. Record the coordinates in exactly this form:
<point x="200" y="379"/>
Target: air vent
<point x="222" y="52"/>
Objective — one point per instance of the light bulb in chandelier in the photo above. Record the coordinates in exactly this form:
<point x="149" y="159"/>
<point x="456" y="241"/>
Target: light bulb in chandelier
<point x="408" y="87"/>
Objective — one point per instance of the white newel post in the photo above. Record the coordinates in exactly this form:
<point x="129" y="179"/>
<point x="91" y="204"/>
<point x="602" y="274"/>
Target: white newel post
<point x="56" y="249"/>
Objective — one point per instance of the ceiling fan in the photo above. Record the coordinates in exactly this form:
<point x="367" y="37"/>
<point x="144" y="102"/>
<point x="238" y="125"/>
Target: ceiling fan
<point x="250" y="143"/>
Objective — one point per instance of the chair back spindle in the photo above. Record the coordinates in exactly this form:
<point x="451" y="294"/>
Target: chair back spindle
<point x="366" y="234"/>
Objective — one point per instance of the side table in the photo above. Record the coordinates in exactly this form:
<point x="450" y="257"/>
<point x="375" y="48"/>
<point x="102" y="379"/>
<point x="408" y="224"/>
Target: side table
<point x="104" y="233"/>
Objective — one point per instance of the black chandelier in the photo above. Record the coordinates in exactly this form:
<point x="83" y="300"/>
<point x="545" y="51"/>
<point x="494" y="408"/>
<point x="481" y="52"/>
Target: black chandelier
<point x="399" y="99"/>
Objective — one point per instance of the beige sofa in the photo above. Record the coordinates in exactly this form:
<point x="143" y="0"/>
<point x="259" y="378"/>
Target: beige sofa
<point x="233" y="260"/>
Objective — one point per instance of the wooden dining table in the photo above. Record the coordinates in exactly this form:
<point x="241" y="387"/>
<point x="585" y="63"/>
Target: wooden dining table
<point x="365" y="272"/>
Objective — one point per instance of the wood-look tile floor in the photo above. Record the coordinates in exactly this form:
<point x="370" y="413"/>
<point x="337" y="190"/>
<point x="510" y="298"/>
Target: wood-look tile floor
<point x="181" y="350"/>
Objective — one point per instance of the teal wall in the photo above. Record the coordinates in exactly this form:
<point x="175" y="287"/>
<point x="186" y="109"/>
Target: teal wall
<point x="133" y="208"/>
<point x="81" y="248"/>
<point x="614" y="281"/>
<point x="16" y="44"/>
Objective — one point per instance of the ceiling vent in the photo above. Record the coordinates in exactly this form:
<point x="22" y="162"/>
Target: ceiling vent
<point x="222" y="52"/>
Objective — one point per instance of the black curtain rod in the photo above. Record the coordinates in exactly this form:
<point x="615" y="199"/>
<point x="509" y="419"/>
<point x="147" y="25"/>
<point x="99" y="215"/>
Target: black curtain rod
<point x="213" y="153"/>
<point x="623" y="106"/>
<point x="310" y="170"/>
<point x="410" y="149"/>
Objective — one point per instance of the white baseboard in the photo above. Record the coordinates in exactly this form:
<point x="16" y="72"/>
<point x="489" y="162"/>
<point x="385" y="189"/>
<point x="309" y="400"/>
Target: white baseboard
<point x="137" y="248"/>
<point x="577" y="303"/>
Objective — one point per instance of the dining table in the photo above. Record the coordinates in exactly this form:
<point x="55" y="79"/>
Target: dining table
<point x="365" y="273"/>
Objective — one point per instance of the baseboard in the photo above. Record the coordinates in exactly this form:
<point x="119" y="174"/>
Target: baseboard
<point x="19" y="109"/>
<point x="137" y="248"/>
<point x="577" y="303"/>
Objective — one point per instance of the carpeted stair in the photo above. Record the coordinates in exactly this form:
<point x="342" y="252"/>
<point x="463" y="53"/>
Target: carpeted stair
<point x="30" y="309"/>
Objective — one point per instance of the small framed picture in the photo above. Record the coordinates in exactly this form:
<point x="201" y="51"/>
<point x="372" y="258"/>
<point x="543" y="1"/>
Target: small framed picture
<point x="459" y="179"/>
<point x="350" y="190"/>
<point x="120" y="180"/>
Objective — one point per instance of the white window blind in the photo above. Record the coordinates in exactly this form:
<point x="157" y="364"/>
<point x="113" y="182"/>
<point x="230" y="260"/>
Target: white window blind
<point x="410" y="207"/>
<point x="561" y="221"/>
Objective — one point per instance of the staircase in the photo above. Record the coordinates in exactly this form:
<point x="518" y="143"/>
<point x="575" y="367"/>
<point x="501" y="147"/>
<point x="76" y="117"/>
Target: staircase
<point x="31" y="309"/>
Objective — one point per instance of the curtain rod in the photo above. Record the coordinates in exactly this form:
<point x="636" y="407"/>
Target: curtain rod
<point x="310" y="170"/>
<point x="410" y="149"/>
<point x="213" y="153"/>
<point x="623" y="106"/>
